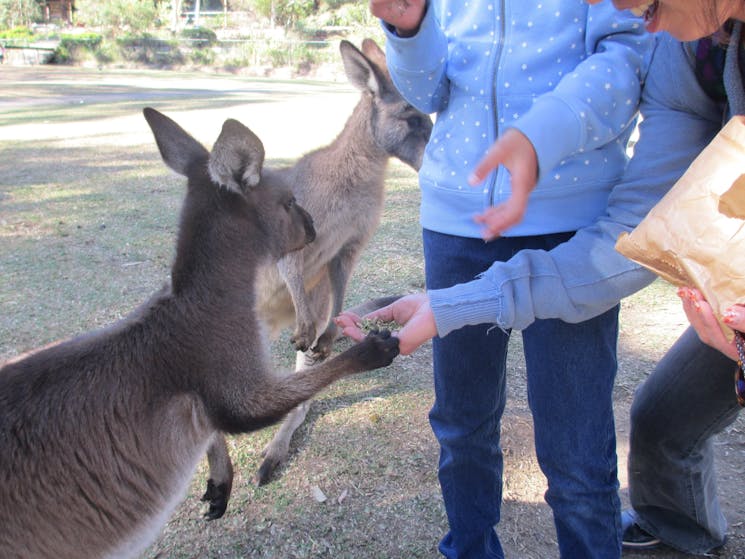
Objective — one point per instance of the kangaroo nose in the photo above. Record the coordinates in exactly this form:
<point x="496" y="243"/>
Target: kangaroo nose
<point x="310" y="230"/>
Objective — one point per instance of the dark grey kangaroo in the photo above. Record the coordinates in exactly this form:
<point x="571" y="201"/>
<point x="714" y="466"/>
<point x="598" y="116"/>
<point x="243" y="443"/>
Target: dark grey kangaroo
<point x="99" y="435"/>
<point x="342" y="187"/>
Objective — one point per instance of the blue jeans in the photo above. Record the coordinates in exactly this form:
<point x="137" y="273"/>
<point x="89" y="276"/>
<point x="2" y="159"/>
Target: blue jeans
<point x="677" y="411"/>
<point x="570" y="368"/>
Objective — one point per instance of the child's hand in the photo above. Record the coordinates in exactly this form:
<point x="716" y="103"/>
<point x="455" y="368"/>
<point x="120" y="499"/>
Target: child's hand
<point x="412" y="312"/>
<point x="404" y="15"/>
<point x="502" y="216"/>
<point x="516" y="153"/>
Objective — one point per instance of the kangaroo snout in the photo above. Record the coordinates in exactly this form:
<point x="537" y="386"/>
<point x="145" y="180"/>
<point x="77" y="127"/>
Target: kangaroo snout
<point x="310" y="230"/>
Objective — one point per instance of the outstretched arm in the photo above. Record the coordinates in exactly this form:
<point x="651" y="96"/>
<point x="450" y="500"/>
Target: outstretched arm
<point x="586" y="276"/>
<point x="412" y="312"/>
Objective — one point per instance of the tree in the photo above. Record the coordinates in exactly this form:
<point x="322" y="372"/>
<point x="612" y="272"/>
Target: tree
<point x="19" y="13"/>
<point x="285" y="12"/>
<point x="133" y="16"/>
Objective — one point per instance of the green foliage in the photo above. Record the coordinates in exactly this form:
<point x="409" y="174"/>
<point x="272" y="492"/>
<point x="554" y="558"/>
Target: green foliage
<point x="199" y="37"/>
<point x="72" y="48"/>
<point x="150" y="51"/>
<point x="17" y="34"/>
<point x="132" y="16"/>
<point x="107" y="53"/>
<point x="14" y="13"/>
<point x="355" y="14"/>
<point x="285" y="12"/>
<point x="202" y="57"/>
<point x="242" y="55"/>
<point x="348" y="16"/>
<point x="334" y="4"/>
<point x="141" y="32"/>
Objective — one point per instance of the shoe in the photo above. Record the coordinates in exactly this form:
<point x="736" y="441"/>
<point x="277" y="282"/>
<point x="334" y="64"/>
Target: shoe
<point x="633" y="536"/>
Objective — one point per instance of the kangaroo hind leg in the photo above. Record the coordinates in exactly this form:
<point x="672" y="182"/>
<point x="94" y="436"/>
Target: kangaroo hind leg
<point x="220" y="482"/>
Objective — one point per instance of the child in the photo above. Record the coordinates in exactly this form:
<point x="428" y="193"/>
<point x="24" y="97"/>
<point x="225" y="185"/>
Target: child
<point x="552" y="87"/>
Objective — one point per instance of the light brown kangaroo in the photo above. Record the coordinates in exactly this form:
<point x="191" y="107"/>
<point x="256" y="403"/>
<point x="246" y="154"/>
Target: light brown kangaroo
<point x="342" y="187"/>
<point x="99" y="435"/>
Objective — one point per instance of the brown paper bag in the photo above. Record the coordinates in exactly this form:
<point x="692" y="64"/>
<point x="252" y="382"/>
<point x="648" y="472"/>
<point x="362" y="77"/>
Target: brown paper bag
<point x="695" y="235"/>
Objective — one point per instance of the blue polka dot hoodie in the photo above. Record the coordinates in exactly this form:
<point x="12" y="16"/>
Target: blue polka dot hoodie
<point x="566" y="74"/>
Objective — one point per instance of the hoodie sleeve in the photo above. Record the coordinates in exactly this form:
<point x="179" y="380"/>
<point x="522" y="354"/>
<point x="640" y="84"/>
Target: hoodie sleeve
<point x="418" y="64"/>
<point x="585" y="276"/>
<point x="599" y="100"/>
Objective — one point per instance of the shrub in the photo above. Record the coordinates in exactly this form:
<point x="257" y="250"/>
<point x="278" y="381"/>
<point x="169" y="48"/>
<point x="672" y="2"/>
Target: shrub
<point x="72" y="48"/>
<point x="202" y="57"/>
<point x="151" y="51"/>
<point x="242" y="55"/>
<point x="20" y="33"/>
<point x="199" y="37"/>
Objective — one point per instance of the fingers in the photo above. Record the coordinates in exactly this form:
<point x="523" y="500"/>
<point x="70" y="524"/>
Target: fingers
<point x="516" y="153"/>
<point x="349" y="323"/>
<point x="346" y="318"/>
<point x="704" y="321"/>
<point x="412" y="312"/>
<point x="734" y="317"/>
<point x="408" y="340"/>
<point x="404" y="15"/>
<point x="497" y="219"/>
<point x="493" y="159"/>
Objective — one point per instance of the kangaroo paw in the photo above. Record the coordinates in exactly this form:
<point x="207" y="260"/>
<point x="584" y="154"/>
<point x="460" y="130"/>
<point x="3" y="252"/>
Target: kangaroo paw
<point x="217" y="496"/>
<point x="378" y="349"/>
<point x="303" y="336"/>
<point x="325" y="344"/>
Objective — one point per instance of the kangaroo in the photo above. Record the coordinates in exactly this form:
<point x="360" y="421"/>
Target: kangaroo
<point x="342" y="186"/>
<point x="100" y="434"/>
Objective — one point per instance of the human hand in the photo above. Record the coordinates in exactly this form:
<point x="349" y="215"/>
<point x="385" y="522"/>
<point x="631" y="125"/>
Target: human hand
<point x="404" y="15"/>
<point x="516" y="153"/>
<point x="412" y="312"/>
<point x="496" y="219"/>
<point x="704" y="321"/>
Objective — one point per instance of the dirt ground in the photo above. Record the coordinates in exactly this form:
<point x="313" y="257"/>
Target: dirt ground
<point x="650" y="322"/>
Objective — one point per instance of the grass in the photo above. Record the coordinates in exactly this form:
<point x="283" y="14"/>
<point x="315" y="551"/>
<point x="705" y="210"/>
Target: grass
<point x="87" y="221"/>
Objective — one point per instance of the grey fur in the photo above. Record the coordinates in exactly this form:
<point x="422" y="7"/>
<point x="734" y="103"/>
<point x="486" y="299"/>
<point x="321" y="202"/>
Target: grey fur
<point x="342" y="186"/>
<point x="100" y="435"/>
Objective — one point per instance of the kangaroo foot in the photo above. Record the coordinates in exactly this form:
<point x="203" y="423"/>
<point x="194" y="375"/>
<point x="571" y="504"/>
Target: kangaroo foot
<point x="217" y="496"/>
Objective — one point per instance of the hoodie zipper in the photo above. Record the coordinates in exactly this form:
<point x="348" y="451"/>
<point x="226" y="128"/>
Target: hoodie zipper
<point x="493" y="181"/>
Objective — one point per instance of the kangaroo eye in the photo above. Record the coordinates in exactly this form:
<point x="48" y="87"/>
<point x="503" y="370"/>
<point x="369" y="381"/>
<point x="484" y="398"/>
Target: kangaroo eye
<point x="289" y="204"/>
<point x="414" y="122"/>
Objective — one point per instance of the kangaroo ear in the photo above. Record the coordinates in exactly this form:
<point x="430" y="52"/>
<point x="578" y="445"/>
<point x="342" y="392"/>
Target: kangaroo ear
<point x="177" y="148"/>
<point x="237" y="157"/>
<point x="375" y="54"/>
<point x="362" y="72"/>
